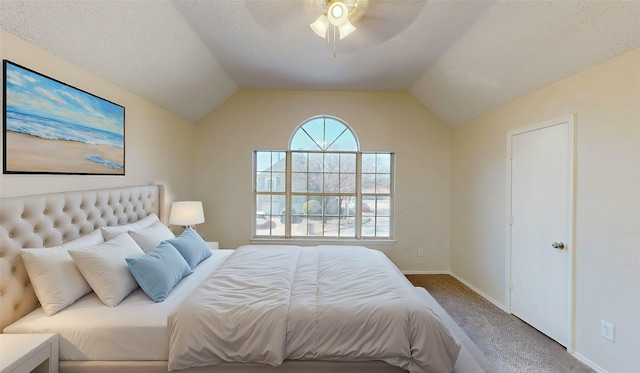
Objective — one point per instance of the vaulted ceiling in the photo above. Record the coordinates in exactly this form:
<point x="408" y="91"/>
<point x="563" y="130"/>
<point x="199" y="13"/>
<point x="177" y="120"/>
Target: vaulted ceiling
<point x="459" y="58"/>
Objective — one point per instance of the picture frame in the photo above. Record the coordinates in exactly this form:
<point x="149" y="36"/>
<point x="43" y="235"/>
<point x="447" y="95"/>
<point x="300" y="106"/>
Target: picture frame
<point x="50" y="127"/>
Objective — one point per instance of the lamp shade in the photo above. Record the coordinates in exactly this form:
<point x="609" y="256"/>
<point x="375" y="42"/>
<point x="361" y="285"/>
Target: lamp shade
<point x="186" y="213"/>
<point x="346" y="29"/>
<point x="320" y="26"/>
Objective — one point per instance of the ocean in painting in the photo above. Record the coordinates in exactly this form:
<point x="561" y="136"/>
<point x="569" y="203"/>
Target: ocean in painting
<point x="52" y="129"/>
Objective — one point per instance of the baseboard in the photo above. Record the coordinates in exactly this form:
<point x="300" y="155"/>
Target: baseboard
<point x="480" y="293"/>
<point x="426" y="272"/>
<point x="587" y="362"/>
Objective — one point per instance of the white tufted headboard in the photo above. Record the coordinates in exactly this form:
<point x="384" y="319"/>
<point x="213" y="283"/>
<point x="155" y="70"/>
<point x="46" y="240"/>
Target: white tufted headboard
<point x="46" y="220"/>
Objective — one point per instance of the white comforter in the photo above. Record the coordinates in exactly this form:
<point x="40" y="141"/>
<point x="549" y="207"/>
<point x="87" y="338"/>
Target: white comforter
<point x="270" y="303"/>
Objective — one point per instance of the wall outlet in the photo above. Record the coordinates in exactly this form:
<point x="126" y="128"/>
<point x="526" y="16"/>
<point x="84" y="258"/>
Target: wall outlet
<point x="607" y="330"/>
<point x="420" y="252"/>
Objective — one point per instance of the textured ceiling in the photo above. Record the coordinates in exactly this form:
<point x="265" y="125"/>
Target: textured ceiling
<point x="459" y="58"/>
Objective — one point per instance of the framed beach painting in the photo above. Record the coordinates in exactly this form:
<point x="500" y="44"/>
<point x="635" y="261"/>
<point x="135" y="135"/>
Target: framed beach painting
<point x="53" y="128"/>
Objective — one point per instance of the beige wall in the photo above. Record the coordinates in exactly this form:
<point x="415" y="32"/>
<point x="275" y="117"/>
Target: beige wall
<point x="265" y="120"/>
<point x="606" y="101"/>
<point x="158" y="144"/>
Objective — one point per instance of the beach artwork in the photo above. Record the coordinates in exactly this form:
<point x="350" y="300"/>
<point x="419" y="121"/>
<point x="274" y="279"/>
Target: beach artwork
<point x="53" y="128"/>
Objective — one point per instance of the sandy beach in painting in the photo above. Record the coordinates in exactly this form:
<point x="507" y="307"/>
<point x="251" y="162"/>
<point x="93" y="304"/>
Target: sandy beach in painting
<point x="35" y="154"/>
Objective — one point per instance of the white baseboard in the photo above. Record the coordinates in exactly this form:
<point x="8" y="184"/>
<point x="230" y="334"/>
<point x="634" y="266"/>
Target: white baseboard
<point x="480" y="293"/>
<point x="587" y="362"/>
<point x="426" y="272"/>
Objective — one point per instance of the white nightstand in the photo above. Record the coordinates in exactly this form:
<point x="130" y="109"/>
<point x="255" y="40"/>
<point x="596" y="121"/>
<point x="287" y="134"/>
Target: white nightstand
<point x="213" y="245"/>
<point x="22" y="353"/>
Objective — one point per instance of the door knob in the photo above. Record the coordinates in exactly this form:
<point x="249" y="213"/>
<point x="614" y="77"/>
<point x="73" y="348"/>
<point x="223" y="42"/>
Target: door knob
<point x="558" y="245"/>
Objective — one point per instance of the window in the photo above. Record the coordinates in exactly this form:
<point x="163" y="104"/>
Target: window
<point x="323" y="186"/>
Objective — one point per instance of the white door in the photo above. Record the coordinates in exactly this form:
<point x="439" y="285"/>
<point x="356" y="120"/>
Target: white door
<point x="542" y="226"/>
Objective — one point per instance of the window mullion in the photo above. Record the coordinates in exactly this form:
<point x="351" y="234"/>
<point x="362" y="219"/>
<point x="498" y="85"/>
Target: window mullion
<point x="288" y="218"/>
<point x="358" y="208"/>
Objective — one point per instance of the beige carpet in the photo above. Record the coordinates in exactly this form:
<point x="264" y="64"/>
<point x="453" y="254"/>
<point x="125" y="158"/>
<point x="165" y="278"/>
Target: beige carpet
<point x="510" y="344"/>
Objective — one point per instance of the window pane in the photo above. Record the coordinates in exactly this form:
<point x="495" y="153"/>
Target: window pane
<point x="331" y="205"/>
<point x="331" y="227"/>
<point x="369" y="163"/>
<point x="368" y="206"/>
<point x="331" y="162"/>
<point x="262" y="182"/>
<point x="345" y="142"/>
<point x="368" y="226"/>
<point x="333" y="129"/>
<point x="302" y="141"/>
<point x="315" y="182"/>
<point x="368" y="183"/>
<point x="382" y="227"/>
<point x="315" y="227"/>
<point x="279" y="161"/>
<point x="312" y="206"/>
<point x="383" y="206"/>
<point x="299" y="226"/>
<point x="278" y="182"/>
<point x="347" y="183"/>
<point x="383" y="183"/>
<point x="383" y="163"/>
<point x="297" y="204"/>
<point x="316" y="162"/>
<point x="299" y="162"/>
<point x="315" y="129"/>
<point x="299" y="182"/>
<point x="347" y="162"/>
<point x="264" y="221"/>
<point x="263" y="161"/>
<point x="331" y="183"/>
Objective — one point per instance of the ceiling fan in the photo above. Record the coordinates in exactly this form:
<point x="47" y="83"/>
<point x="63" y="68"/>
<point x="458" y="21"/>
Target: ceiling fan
<point x="340" y="14"/>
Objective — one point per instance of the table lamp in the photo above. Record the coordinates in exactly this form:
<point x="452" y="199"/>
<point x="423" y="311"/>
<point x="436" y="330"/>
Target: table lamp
<point x="186" y="214"/>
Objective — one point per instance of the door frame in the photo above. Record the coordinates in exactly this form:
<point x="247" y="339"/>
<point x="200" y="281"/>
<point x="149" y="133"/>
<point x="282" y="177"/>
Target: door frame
<point x="570" y="121"/>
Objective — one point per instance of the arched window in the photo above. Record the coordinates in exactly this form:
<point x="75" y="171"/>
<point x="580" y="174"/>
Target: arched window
<point x="331" y="188"/>
<point x="324" y="134"/>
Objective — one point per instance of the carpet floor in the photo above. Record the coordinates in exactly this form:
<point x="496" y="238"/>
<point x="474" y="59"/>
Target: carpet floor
<point x="510" y="344"/>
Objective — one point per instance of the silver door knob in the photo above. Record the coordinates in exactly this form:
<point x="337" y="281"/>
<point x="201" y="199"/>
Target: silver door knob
<point x="558" y="245"/>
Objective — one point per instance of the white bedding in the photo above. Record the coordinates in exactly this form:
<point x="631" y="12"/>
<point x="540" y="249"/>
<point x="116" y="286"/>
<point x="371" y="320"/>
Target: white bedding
<point x="89" y="330"/>
<point x="320" y="303"/>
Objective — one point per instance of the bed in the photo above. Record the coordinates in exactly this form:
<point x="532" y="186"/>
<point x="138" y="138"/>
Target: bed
<point x="138" y="334"/>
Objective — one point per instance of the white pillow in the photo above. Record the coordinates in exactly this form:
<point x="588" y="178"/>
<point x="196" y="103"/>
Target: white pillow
<point x="56" y="280"/>
<point x="105" y="269"/>
<point x="110" y="233"/>
<point x="150" y="237"/>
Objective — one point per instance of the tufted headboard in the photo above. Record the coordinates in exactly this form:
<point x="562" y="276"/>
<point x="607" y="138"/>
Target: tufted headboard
<point x="46" y="220"/>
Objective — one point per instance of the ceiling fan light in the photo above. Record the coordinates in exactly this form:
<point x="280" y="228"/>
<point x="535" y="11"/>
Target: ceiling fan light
<point x="346" y="29"/>
<point x="338" y="13"/>
<point x="320" y="26"/>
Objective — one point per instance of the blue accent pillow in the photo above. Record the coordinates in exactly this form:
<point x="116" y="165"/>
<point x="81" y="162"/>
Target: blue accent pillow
<point x="159" y="271"/>
<point x="191" y="246"/>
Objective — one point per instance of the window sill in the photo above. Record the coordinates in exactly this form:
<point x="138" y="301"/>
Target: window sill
<point x="323" y="241"/>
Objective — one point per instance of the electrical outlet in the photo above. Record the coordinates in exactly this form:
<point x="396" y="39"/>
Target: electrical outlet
<point x="420" y="252"/>
<point x="607" y="330"/>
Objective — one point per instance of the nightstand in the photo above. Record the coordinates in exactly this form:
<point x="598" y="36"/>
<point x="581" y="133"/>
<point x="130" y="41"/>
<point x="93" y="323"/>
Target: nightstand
<point x="23" y="353"/>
